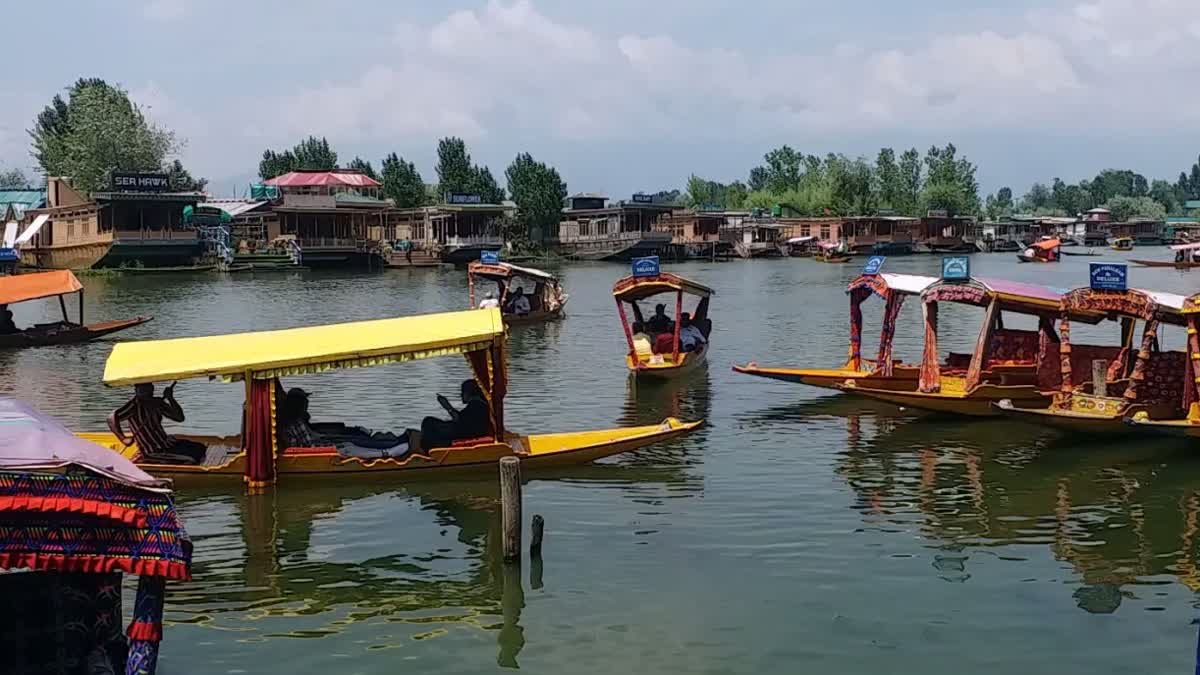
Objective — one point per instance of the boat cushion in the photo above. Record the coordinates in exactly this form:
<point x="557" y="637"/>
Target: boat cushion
<point x="1163" y="381"/>
<point x="1014" y="347"/>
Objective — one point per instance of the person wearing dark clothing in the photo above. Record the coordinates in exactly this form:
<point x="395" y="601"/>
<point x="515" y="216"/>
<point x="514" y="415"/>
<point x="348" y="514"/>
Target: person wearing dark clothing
<point x="7" y="327"/>
<point x="295" y="430"/>
<point x="660" y="322"/>
<point x="144" y="413"/>
<point x="473" y="421"/>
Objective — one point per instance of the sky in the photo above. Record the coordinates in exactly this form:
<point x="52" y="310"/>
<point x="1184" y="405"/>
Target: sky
<point x="625" y="95"/>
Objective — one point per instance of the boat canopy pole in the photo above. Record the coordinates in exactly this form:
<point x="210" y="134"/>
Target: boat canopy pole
<point x="628" y="333"/>
<point x="678" y="318"/>
<point x="1149" y="337"/>
<point x="930" y="379"/>
<point x="1191" y="388"/>
<point x="983" y="344"/>
<point x="81" y="307"/>
<point x="62" y="304"/>
<point x="471" y="288"/>
<point x="854" y="358"/>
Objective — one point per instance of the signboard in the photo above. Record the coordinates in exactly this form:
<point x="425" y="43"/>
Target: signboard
<point x="463" y="198"/>
<point x="874" y="263"/>
<point x="956" y="268"/>
<point x="1109" y="277"/>
<point x="126" y="181"/>
<point x="641" y="198"/>
<point x="645" y="267"/>
<point x="489" y="257"/>
<point x="9" y="255"/>
<point x="937" y="213"/>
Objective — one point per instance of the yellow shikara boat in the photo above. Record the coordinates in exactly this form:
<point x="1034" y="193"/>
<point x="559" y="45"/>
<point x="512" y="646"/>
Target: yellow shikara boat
<point x="1005" y="363"/>
<point x="259" y="359"/>
<point x="1188" y="425"/>
<point x="1122" y="244"/>
<point x="1144" y="382"/>
<point x="546" y="301"/>
<point x="893" y="289"/>
<point x="668" y="361"/>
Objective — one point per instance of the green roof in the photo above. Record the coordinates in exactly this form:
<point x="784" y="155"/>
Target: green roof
<point x="355" y="199"/>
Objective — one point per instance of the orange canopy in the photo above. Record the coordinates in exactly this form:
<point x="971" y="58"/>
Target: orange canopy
<point x="1048" y="244"/>
<point x="22" y="287"/>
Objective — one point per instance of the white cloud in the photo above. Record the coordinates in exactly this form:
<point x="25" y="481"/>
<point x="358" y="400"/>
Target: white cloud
<point x="166" y="10"/>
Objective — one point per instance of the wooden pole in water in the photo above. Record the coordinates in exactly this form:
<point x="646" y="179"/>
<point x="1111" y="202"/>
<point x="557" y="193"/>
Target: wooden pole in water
<point x="510" y="507"/>
<point x="536" y="528"/>
<point x="1100" y="377"/>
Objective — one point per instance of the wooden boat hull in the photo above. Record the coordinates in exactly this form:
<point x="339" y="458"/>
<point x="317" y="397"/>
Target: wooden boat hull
<point x="904" y="378"/>
<point x="1034" y="259"/>
<point x="539" y="451"/>
<point x="976" y="403"/>
<point x="533" y="317"/>
<point x="1161" y="263"/>
<point x="69" y="334"/>
<point x="1183" y="428"/>
<point x="841" y="259"/>
<point x="1073" y="421"/>
<point x="690" y="362"/>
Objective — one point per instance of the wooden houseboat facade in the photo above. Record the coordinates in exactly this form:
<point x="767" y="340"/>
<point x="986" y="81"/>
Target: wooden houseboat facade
<point x="887" y="235"/>
<point x="695" y="234"/>
<point x="455" y="232"/>
<point x="941" y="232"/>
<point x="590" y="229"/>
<point x="329" y="214"/>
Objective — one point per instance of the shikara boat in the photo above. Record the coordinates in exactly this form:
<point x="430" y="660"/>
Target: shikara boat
<point x="1189" y="423"/>
<point x="38" y="285"/>
<point x="831" y="252"/>
<point x="259" y="359"/>
<point x="1185" y="258"/>
<point x="74" y="519"/>
<point x="1099" y="386"/>
<point x="1122" y="244"/>
<point x="546" y="300"/>
<point x="883" y="372"/>
<point x="1041" y="251"/>
<point x="1005" y="363"/>
<point x="671" y="361"/>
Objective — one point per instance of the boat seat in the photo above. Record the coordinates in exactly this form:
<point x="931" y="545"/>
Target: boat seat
<point x="1163" y="379"/>
<point x="471" y="442"/>
<point x="1014" y="347"/>
<point x="956" y="360"/>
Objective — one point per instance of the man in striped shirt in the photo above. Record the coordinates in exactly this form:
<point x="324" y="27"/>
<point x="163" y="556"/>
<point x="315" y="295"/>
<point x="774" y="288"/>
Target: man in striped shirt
<point x="144" y="413"/>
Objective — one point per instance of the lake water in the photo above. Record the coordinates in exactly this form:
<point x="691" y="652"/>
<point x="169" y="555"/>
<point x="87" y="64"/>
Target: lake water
<point x="799" y="531"/>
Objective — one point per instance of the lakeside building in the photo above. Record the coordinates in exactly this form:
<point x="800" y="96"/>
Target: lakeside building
<point x="942" y="232"/>
<point x="592" y="229"/>
<point x="328" y="214"/>
<point x="453" y="232"/>
<point x="138" y="221"/>
<point x="754" y="235"/>
<point x="695" y="233"/>
<point x="881" y="234"/>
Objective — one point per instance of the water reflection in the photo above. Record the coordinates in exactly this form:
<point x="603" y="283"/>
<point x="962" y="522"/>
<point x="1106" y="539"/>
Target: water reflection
<point x="1123" y="521"/>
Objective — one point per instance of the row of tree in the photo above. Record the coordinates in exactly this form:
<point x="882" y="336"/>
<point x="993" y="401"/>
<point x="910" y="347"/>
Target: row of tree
<point x="1126" y="193"/>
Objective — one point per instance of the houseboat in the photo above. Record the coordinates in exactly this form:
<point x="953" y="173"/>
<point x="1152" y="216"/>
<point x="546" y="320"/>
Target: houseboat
<point x="941" y="232"/>
<point x="754" y="236"/>
<point x="329" y="215"/>
<point x="1181" y="230"/>
<point x="1007" y="236"/>
<point x="137" y="222"/>
<point x="1143" y="232"/>
<point x="881" y="235"/>
<point x="593" y="229"/>
<point x="695" y="234"/>
<point x="454" y="232"/>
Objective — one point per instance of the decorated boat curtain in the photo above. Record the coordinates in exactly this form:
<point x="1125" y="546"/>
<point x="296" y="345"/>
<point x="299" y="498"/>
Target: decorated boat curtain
<point x="891" y="311"/>
<point x="488" y="367"/>
<point x="930" y="379"/>
<point x="983" y="345"/>
<point x="260" y="433"/>
<point x="1047" y="341"/>
<point x="1064" y="356"/>
<point x="854" y="356"/>
<point x="145" y="630"/>
<point x="1191" y="383"/>
<point x="1149" y="337"/>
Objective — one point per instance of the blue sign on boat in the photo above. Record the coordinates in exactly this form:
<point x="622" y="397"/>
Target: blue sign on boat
<point x="956" y="268"/>
<point x="491" y="257"/>
<point x="9" y="255"/>
<point x="645" y="267"/>
<point x="1109" y="277"/>
<point x="874" y="264"/>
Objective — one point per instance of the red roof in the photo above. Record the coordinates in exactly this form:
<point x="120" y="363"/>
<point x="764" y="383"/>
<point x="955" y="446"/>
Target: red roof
<point x="323" y="178"/>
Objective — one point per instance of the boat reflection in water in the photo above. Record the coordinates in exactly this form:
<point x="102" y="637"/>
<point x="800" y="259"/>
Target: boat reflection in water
<point x="1116" y="518"/>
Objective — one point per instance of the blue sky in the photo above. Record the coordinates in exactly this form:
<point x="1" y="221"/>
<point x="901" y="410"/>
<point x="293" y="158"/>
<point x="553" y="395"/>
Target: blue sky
<point x="625" y="96"/>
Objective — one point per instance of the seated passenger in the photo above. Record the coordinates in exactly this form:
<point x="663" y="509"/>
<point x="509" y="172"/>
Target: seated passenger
<point x="7" y="327"/>
<point x="144" y="413"/>
<point x="660" y="322"/>
<point x="641" y="341"/>
<point x="519" y="304"/>
<point x="473" y="421"/>
<point x="489" y="300"/>
<point x="295" y="430"/>
<point x="690" y="337"/>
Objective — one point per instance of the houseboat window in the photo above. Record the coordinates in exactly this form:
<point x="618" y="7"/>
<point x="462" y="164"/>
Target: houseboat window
<point x="70" y="228"/>
<point x="824" y="233"/>
<point x="805" y="230"/>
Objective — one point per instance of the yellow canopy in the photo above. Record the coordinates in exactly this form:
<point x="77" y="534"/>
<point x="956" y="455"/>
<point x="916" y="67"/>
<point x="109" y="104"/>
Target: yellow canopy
<point x="304" y="350"/>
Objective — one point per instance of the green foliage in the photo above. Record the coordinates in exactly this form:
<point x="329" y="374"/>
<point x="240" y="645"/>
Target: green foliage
<point x="14" y="179"/>
<point x="181" y="180"/>
<point x="95" y="131"/>
<point x="910" y="183"/>
<point x="402" y="183"/>
<point x="1126" y="208"/>
<point x="703" y="193"/>
<point x="276" y="164"/>
<point x="999" y="205"/>
<point x="668" y="197"/>
<point x="362" y="166"/>
<point x="887" y="175"/>
<point x="538" y="191"/>
<point x="1038" y="197"/>
<point x="311" y="154"/>
<point x="485" y="185"/>
<point x="456" y="173"/>
<point x="1167" y="194"/>
<point x="949" y="182"/>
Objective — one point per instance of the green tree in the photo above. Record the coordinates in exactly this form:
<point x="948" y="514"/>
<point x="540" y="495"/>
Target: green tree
<point x="1125" y="208"/>
<point x="310" y="154"/>
<point x="181" y="180"/>
<point x="96" y="131"/>
<point x="1038" y="197"/>
<point x="276" y="164"/>
<point x="704" y="193"/>
<point x="668" y="197"/>
<point x="851" y="186"/>
<point x="783" y="169"/>
<point x="910" y="183"/>
<point x="402" y="182"/>
<point x="1072" y="199"/>
<point x="362" y="166"/>
<point x="14" y="179"/>
<point x="484" y="184"/>
<point x="736" y="194"/>
<point x="538" y="191"/>
<point x="1166" y="194"/>
<point x="949" y="182"/>
<point x="758" y="179"/>
<point x="454" y="170"/>
<point x="891" y="185"/>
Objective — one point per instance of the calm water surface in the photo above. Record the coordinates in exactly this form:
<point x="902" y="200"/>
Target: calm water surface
<point x="798" y="530"/>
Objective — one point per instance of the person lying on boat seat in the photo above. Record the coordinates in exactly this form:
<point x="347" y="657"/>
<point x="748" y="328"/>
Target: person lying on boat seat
<point x="144" y="413"/>
<point x="489" y="300"/>
<point x="519" y="304"/>
<point x="7" y="327"/>
<point x="691" y="339"/>
<point x="473" y="421"/>
<point x="660" y="322"/>
<point x="295" y="430"/>
<point x="641" y="342"/>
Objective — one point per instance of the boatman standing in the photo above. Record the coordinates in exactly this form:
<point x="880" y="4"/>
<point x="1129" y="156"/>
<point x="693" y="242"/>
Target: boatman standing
<point x="144" y="413"/>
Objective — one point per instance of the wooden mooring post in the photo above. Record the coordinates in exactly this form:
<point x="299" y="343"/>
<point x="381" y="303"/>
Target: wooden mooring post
<point x="510" y="507"/>
<point x="1100" y="377"/>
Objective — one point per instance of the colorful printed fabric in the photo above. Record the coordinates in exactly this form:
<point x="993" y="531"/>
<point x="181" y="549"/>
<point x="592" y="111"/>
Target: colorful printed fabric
<point x="145" y="631"/>
<point x="929" y="380"/>
<point x="891" y="312"/>
<point x="61" y="623"/>
<point x="57" y="522"/>
<point x="857" y="297"/>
